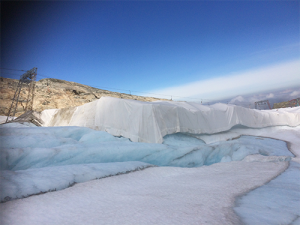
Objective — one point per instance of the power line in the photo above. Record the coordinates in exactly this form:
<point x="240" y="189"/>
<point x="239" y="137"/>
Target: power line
<point x="11" y="69"/>
<point x="7" y="73"/>
<point x="134" y="90"/>
<point x="148" y="93"/>
<point x="41" y="75"/>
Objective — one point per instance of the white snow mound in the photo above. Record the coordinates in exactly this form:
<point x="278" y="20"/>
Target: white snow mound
<point x="150" y="121"/>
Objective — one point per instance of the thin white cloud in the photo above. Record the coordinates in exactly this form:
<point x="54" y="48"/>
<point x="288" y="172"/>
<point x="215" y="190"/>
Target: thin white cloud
<point x="262" y="79"/>
<point x="278" y="50"/>
<point x="271" y="95"/>
<point x="275" y="97"/>
<point x="237" y="99"/>
<point x="295" y="93"/>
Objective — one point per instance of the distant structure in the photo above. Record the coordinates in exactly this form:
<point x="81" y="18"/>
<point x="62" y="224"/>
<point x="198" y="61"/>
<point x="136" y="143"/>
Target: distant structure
<point x="27" y="80"/>
<point x="264" y="104"/>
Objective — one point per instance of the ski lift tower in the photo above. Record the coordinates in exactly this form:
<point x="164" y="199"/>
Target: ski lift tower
<point x="264" y="103"/>
<point x="27" y="79"/>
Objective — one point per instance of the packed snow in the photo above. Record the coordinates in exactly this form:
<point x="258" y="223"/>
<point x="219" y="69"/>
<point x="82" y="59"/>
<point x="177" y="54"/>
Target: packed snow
<point x="279" y="200"/>
<point x="285" y="133"/>
<point x="4" y="118"/>
<point x="23" y="183"/>
<point x="239" y="175"/>
<point x="160" y="195"/>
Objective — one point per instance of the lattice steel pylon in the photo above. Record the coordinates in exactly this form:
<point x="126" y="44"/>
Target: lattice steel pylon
<point x="262" y="103"/>
<point x="27" y="78"/>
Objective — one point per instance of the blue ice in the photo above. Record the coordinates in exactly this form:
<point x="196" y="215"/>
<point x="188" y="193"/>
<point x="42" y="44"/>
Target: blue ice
<point x="36" y="147"/>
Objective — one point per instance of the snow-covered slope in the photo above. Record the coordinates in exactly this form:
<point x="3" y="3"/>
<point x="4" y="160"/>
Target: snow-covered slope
<point x="23" y="183"/>
<point x="161" y="195"/>
<point x="74" y="154"/>
<point x="3" y="119"/>
<point x="189" y="174"/>
<point x="150" y="121"/>
<point x="277" y="202"/>
<point x="290" y="135"/>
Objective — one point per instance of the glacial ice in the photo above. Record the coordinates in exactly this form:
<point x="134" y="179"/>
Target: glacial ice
<point x="36" y="147"/>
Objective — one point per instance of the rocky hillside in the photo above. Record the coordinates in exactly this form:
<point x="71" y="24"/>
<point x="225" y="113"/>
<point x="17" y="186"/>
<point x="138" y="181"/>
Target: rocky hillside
<point x="56" y="94"/>
<point x="291" y="103"/>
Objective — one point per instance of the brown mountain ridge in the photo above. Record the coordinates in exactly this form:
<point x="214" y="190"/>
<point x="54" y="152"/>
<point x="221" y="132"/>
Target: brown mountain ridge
<point x="56" y="94"/>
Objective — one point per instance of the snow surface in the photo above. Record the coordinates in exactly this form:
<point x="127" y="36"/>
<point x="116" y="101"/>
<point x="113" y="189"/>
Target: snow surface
<point x="23" y="183"/>
<point x="3" y="119"/>
<point x="39" y="159"/>
<point x="161" y="195"/>
<point x="279" y="200"/>
<point x="288" y="134"/>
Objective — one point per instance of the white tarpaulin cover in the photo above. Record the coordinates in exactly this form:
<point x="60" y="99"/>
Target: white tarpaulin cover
<point x="151" y="121"/>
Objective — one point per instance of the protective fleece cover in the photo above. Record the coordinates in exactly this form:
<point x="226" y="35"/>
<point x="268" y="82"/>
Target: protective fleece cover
<point x="151" y="121"/>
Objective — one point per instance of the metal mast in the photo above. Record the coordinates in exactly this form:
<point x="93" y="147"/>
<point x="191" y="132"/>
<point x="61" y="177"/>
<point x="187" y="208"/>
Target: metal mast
<point x="262" y="103"/>
<point x="27" y="79"/>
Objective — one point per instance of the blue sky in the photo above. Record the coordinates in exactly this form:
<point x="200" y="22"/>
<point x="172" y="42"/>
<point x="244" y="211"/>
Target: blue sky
<point x="196" y="49"/>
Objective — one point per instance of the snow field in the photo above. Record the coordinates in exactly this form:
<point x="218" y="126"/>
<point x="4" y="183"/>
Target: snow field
<point x="160" y="195"/>
<point x="279" y="200"/>
<point x="289" y="134"/>
<point x="39" y="159"/>
<point x="23" y="183"/>
<point x="3" y="119"/>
